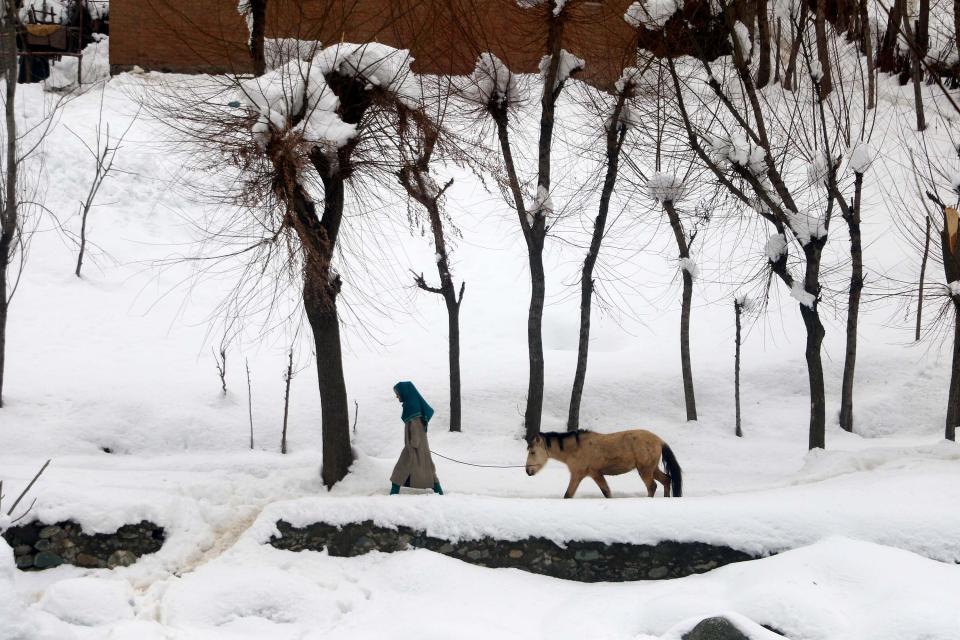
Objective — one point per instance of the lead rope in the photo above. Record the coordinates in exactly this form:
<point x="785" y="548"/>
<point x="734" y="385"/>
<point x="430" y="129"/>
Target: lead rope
<point x="485" y="466"/>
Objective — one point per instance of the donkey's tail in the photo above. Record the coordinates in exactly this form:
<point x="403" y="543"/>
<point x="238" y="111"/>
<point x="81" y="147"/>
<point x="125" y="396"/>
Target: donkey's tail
<point x="673" y="470"/>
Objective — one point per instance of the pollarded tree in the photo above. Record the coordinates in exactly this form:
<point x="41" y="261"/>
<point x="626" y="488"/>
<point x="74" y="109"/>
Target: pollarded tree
<point x="421" y="145"/>
<point x="493" y="87"/>
<point x="616" y="113"/>
<point x="304" y="138"/>
<point x="759" y="152"/>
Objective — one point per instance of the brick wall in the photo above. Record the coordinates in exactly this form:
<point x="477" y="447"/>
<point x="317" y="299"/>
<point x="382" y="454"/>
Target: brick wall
<point x="445" y="36"/>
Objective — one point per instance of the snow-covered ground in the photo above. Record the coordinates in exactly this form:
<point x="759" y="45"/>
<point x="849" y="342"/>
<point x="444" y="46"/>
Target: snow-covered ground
<point x="120" y="360"/>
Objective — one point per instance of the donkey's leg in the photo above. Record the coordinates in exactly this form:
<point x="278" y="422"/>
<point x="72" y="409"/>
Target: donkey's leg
<point x="663" y="479"/>
<point x="575" y="480"/>
<point x="602" y="483"/>
<point x="646" y="474"/>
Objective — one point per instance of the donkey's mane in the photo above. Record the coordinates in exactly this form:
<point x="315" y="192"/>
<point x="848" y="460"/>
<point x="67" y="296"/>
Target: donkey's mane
<point x="560" y="436"/>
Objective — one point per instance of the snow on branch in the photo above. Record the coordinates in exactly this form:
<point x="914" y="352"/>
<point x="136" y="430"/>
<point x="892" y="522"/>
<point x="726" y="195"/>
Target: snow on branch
<point x="690" y="266"/>
<point x="743" y="38"/>
<point x="776" y="247"/>
<point x="296" y="99"/>
<point x="569" y="64"/>
<point x="652" y="14"/>
<point x="542" y="205"/>
<point x="801" y="295"/>
<point x="861" y="157"/>
<point x="491" y="83"/>
<point x="529" y="4"/>
<point x="666" y="187"/>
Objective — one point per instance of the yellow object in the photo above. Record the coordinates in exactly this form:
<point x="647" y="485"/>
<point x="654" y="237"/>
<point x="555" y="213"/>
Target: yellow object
<point x="42" y="30"/>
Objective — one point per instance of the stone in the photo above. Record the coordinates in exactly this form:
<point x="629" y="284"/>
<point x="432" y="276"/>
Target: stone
<point x="49" y="532"/>
<point x="120" y="558"/>
<point x="658" y="573"/>
<point x="516" y="553"/>
<point x="89" y="562"/>
<point x="22" y="550"/>
<point x="47" y="560"/>
<point x="25" y="562"/>
<point x="43" y="544"/>
<point x="716" y="628"/>
<point x="587" y="555"/>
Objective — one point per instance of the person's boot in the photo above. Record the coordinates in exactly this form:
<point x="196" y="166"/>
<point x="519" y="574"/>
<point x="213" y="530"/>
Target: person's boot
<point x="437" y="488"/>
<point x="394" y="488"/>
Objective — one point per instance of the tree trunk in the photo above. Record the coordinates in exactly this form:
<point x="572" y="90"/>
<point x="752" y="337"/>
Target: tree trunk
<point x="534" y="409"/>
<point x="763" y="29"/>
<point x="685" y="307"/>
<point x="797" y="30"/>
<point x="614" y="137"/>
<point x="258" y="10"/>
<point x="453" y="322"/>
<point x="887" y="55"/>
<point x="956" y="23"/>
<point x="815" y="334"/>
<point x="866" y="46"/>
<point x="537" y="231"/>
<point x="823" y="51"/>
<point x="9" y="210"/>
<point x="923" y="273"/>
<point x="922" y="37"/>
<point x="737" y="310"/>
<point x="853" y="309"/>
<point x="319" y="299"/>
<point x="953" y="401"/>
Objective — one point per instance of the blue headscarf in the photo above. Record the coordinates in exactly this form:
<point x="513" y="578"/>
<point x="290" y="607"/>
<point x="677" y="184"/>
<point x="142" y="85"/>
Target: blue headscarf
<point x="414" y="406"/>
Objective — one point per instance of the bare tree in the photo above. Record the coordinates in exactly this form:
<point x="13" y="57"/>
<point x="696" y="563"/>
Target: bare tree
<point x="287" y="378"/>
<point x="494" y="88"/>
<point x="10" y="223"/>
<point x="421" y="187"/>
<point x="19" y="147"/>
<point x="739" y="304"/>
<point x="616" y="115"/>
<point x="306" y="138"/>
<point x="748" y="163"/>
<point x="104" y="152"/>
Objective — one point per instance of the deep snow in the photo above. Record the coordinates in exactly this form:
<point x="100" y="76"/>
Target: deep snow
<point x="120" y="359"/>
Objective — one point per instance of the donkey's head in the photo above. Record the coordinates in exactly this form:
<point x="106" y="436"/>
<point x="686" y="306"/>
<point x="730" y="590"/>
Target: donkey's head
<point x="536" y="455"/>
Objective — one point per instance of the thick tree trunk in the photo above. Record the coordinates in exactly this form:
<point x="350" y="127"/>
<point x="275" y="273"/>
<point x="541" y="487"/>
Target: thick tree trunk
<point x="922" y="37"/>
<point x="956" y="24"/>
<point x="258" y="10"/>
<point x="320" y="302"/>
<point x="763" y="32"/>
<point x="815" y="334"/>
<point x="453" y="322"/>
<point x="887" y="55"/>
<point x="789" y="75"/>
<point x="685" y="308"/>
<point x="535" y="233"/>
<point x="953" y="401"/>
<point x="853" y="310"/>
<point x="923" y="273"/>
<point x="534" y="409"/>
<point x="823" y="50"/>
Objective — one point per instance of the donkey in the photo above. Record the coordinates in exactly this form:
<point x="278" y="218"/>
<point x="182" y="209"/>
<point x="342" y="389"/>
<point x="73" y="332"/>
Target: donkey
<point x="601" y="454"/>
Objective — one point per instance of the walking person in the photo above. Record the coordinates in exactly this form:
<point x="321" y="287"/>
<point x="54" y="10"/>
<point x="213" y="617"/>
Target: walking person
<point x="415" y="467"/>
